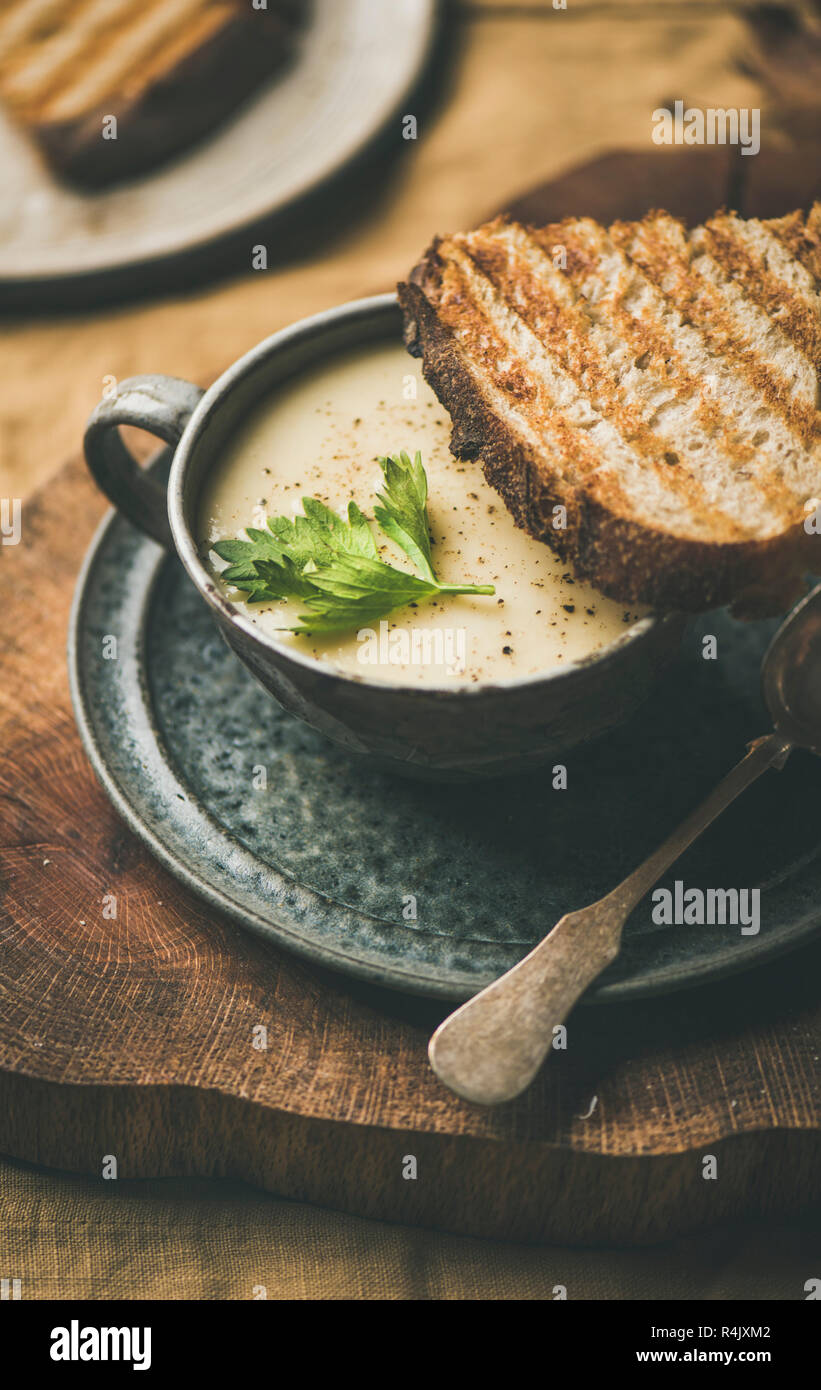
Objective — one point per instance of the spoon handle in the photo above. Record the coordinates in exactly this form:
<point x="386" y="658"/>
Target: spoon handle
<point x="490" y="1049"/>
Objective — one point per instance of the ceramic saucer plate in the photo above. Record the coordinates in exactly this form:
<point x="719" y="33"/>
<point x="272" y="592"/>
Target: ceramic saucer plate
<point x="428" y="888"/>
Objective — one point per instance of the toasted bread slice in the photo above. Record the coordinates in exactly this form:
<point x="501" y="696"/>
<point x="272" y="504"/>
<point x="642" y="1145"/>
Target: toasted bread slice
<point x="644" y="398"/>
<point x="169" y="70"/>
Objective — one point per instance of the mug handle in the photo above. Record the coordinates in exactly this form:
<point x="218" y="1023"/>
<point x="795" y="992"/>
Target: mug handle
<point x="163" y="405"/>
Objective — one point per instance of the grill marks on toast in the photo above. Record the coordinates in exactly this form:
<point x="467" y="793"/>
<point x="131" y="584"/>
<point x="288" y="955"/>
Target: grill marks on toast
<point x="662" y="385"/>
<point x="739" y="454"/>
<point x="743" y="332"/>
<point x="733" y="326"/>
<point x="636" y="414"/>
<point x="802" y="239"/>
<point x="525" y="278"/>
<point x="770" y="277"/>
<point x="156" y="42"/>
<point x="518" y="379"/>
<point x="56" y="62"/>
<point x="635" y="346"/>
<point x="169" y="70"/>
<point x="763" y="373"/>
<point x="23" y="20"/>
<point x="599" y="347"/>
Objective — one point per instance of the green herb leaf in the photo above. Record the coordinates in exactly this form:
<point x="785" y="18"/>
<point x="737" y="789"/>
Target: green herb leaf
<point x="351" y="591"/>
<point x="334" y="566"/>
<point x="343" y="538"/>
<point x="320" y="534"/>
<point x="276" y="579"/>
<point x="403" y="514"/>
<point x="243" y="555"/>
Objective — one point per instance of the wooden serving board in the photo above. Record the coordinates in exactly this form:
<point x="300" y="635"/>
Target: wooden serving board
<point x="134" y="1036"/>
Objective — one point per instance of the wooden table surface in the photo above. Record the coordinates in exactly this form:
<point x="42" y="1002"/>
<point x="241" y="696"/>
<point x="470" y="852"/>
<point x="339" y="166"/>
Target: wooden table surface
<point x="132" y="1036"/>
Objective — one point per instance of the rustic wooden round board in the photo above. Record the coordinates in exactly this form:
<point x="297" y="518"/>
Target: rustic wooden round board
<point x="183" y="1044"/>
<point x="355" y="62"/>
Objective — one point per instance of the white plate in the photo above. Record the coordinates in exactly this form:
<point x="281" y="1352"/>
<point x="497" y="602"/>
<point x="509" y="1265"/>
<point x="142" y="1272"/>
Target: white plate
<point x="356" y="61"/>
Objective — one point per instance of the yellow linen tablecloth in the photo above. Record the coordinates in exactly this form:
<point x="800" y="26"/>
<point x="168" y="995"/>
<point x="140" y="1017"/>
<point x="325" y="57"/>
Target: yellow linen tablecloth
<point x="66" y="1237"/>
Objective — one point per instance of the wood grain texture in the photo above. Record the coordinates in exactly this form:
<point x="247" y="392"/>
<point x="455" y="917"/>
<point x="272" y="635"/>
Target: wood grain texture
<point x="134" y="1036"/>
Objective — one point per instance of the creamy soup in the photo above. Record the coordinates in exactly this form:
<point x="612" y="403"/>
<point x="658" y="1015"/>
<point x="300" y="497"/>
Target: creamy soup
<point x="321" y="436"/>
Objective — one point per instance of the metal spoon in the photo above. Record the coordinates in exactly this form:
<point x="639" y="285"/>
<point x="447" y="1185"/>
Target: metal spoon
<point x="491" y="1048"/>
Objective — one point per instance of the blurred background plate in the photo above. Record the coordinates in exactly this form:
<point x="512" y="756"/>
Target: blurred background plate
<point x="355" y="64"/>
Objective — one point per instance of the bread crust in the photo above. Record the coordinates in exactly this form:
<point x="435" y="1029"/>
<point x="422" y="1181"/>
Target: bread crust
<point x="624" y="559"/>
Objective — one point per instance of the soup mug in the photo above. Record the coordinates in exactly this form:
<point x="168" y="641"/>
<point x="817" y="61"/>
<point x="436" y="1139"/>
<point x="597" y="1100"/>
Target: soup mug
<point x="445" y="732"/>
